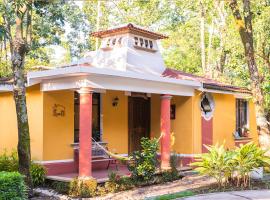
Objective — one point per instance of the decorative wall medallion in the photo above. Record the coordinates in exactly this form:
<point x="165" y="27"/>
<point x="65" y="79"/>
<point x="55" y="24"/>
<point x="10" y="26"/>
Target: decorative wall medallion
<point x="207" y="106"/>
<point x="59" y="110"/>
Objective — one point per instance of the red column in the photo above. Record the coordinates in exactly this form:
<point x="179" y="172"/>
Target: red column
<point x="165" y="126"/>
<point x="85" y="137"/>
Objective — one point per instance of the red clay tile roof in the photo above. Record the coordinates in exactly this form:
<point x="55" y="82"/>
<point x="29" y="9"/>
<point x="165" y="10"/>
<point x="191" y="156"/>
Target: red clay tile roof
<point x="207" y="83"/>
<point x="130" y="28"/>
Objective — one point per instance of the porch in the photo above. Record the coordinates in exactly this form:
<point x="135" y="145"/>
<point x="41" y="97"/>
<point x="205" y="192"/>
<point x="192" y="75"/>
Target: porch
<point x="114" y="107"/>
<point x="101" y="174"/>
<point x="119" y="121"/>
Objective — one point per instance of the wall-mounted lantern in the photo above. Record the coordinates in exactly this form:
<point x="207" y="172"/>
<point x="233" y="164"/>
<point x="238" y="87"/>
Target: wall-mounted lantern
<point x="207" y="105"/>
<point x="115" y="101"/>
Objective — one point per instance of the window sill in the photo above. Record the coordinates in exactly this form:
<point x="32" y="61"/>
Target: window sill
<point x="145" y="49"/>
<point x="242" y="138"/>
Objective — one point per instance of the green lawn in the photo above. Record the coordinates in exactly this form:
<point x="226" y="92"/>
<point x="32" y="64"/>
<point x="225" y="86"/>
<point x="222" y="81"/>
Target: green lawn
<point x="172" y="196"/>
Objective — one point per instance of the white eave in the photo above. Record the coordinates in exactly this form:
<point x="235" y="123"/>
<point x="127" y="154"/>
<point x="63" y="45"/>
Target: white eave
<point x="103" y="79"/>
<point x="6" y="87"/>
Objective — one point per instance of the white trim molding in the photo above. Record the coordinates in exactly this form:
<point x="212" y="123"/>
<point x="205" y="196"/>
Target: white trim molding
<point x="120" y="83"/>
<point x="108" y="79"/>
<point x="35" y="77"/>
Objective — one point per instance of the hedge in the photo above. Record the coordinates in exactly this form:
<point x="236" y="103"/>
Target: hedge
<point x="12" y="186"/>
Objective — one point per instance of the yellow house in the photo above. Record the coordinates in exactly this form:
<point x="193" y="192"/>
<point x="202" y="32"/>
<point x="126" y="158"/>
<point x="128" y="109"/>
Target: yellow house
<point x="119" y="94"/>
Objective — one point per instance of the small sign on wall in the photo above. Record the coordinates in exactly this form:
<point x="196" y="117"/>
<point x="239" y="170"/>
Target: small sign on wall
<point x="172" y="111"/>
<point x="59" y="110"/>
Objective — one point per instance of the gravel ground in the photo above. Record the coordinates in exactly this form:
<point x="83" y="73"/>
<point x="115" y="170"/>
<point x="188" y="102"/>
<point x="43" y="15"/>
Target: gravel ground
<point x="189" y="182"/>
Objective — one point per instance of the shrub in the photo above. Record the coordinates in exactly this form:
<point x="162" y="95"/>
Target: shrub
<point x="101" y="191"/>
<point x="215" y="163"/>
<point x="125" y="183"/>
<point x="38" y="173"/>
<point x="247" y="158"/>
<point x="111" y="187"/>
<point x="145" y="161"/>
<point x="60" y="187"/>
<point x="231" y="167"/>
<point x="83" y="187"/>
<point x="9" y="161"/>
<point x="172" y="174"/>
<point x="12" y="186"/>
<point x="118" y="183"/>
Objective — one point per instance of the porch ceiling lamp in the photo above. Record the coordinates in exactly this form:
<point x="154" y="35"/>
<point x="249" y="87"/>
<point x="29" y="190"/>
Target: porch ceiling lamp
<point x="205" y="104"/>
<point x="115" y="101"/>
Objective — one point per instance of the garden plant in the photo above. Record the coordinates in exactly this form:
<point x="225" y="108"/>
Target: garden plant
<point x="9" y="163"/>
<point x="231" y="167"/>
<point x="12" y="186"/>
<point x="144" y="169"/>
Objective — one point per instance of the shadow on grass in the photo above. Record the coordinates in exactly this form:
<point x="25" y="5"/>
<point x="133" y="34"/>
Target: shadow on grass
<point x="210" y="189"/>
<point x="186" y="193"/>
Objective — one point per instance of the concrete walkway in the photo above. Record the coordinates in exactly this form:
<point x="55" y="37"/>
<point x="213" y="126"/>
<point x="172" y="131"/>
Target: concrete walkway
<point x="236" y="195"/>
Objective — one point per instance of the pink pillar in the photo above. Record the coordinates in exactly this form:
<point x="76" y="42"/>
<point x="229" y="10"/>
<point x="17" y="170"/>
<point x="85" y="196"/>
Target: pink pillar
<point x="85" y="137"/>
<point x="165" y="126"/>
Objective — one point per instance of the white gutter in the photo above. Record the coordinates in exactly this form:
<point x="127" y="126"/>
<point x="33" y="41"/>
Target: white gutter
<point x="236" y="94"/>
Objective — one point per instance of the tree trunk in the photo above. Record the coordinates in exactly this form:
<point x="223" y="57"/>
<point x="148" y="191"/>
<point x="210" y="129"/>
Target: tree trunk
<point x="202" y="35"/>
<point x="18" y="52"/>
<point x="246" y="34"/>
<point x="209" y="54"/>
<point x="222" y="60"/>
<point x="220" y="7"/>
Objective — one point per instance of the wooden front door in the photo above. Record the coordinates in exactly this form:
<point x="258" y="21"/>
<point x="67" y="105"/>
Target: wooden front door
<point x="138" y="121"/>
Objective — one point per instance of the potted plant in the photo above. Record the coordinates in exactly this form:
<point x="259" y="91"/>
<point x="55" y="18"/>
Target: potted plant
<point x="245" y="131"/>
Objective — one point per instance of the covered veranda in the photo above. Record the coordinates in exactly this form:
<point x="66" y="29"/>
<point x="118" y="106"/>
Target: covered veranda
<point x="87" y="81"/>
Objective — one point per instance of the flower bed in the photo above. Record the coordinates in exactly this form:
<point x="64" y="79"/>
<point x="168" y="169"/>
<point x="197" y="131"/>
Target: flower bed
<point x="144" y="168"/>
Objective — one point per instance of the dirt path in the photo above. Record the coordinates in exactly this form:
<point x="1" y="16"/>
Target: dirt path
<point x="186" y="183"/>
<point x="189" y="182"/>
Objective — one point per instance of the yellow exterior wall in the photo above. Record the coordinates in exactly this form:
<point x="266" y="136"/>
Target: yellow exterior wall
<point x="197" y="124"/>
<point x="115" y="121"/>
<point x="58" y="131"/>
<point x="182" y="125"/>
<point x="51" y="137"/>
<point x="224" y="119"/>
<point x="252" y="121"/>
<point x="155" y="116"/>
<point x="8" y="121"/>
<point x="34" y="98"/>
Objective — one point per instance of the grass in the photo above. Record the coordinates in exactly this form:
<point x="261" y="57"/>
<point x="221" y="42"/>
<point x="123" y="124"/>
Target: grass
<point x="173" y="196"/>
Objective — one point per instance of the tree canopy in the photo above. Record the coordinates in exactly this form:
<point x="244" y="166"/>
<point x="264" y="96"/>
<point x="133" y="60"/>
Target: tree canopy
<point x="68" y="24"/>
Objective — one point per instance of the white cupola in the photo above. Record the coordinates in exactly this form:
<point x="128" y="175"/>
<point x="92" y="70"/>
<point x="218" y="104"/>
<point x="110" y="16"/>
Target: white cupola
<point x="128" y="48"/>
